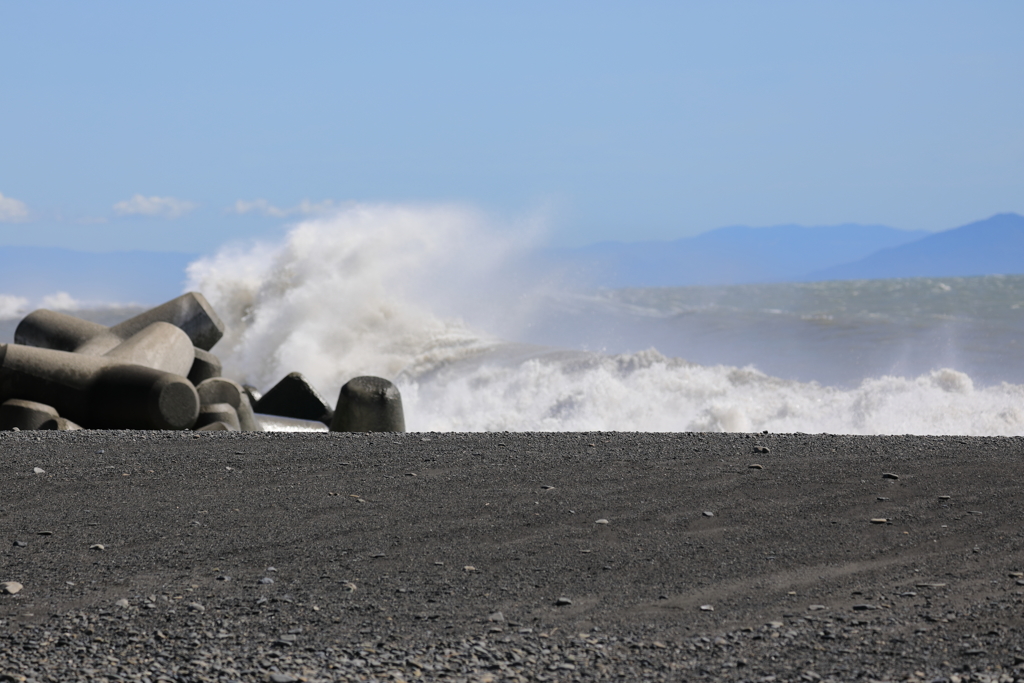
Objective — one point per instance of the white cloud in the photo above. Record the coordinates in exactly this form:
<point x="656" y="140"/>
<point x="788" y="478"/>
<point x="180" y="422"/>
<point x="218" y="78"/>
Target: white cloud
<point x="11" y="210"/>
<point x="61" y="301"/>
<point x="303" y="208"/>
<point x="12" y="306"/>
<point x="165" y="207"/>
<point x="259" y="206"/>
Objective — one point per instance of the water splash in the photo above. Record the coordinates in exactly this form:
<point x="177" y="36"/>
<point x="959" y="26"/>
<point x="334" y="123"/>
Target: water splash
<point x="388" y="290"/>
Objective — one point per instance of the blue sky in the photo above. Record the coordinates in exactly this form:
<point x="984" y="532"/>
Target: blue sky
<point x="179" y="126"/>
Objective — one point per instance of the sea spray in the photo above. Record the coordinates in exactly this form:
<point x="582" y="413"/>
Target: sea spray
<point x="357" y="292"/>
<point x="422" y="296"/>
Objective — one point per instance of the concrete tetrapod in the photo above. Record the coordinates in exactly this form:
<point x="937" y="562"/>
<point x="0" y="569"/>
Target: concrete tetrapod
<point x="25" y="415"/>
<point x="205" y="366"/>
<point x="210" y="413"/>
<point x="60" y="424"/>
<point x="294" y="396"/>
<point x="98" y="391"/>
<point x="160" y="346"/>
<point x="217" y="427"/>
<point x="369" y="404"/>
<point x="222" y="390"/>
<point x="190" y="312"/>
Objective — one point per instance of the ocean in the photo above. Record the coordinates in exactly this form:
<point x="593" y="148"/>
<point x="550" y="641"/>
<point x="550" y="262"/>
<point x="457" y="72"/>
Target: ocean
<point x="478" y="337"/>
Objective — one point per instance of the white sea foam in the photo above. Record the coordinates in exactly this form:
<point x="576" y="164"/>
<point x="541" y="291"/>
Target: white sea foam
<point x="385" y="290"/>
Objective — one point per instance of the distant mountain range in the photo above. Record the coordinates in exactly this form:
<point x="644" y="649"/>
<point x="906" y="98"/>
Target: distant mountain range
<point x="994" y="246"/>
<point x="732" y="255"/>
<point x="788" y="253"/>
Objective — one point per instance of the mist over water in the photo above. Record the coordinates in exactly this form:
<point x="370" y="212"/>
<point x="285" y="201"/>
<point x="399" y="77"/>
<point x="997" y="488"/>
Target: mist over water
<point x="478" y="338"/>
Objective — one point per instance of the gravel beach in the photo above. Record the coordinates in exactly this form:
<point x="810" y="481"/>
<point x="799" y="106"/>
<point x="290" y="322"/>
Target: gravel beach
<point x="176" y="556"/>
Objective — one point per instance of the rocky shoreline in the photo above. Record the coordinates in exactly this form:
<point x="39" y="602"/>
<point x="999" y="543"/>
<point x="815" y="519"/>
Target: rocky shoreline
<point x="234" y="556"/>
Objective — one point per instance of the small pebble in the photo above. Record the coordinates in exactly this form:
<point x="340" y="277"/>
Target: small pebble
<point x="883" y="498"/>
<point x="469" y="568"/>
<point x="497" y="616"/>
<point x="708" y="513"/>
<point x="601" y="521"/>
<point x="890" y="475"/>
<point x="864" y="607"/>
<point x="97" y="546"/>
<point x="38" y="470"/>
<point x="879" y="520"/>
<point x="283" y="678"/>
<point x="563" y="602"/>
<point x="547" y="487"/>
<point x="944" y="497"/>
<point x="707" y="608"/>
<point x="816" y="608"/>
<point x="11" y="587"/>
<point x="755" y="466"/>
<point x="223" y="577"/>
<point x="20" y="544"/>
<point x="44" y="533"/>
<point x="122" y="603"/>
<point x="762" y="449"/>
<point x="266" y="581"/>
<point x="196" y="607"/>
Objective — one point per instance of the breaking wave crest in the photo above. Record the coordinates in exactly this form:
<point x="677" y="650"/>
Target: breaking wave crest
<point x="387" y="290"/>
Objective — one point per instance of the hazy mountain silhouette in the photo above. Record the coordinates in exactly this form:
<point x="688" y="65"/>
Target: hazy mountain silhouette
<point x="732" y="255"/>
<point x="994" y="246"/>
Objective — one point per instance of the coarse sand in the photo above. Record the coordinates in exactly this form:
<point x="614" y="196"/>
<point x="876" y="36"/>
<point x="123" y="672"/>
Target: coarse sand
<point x="179" y="556"/>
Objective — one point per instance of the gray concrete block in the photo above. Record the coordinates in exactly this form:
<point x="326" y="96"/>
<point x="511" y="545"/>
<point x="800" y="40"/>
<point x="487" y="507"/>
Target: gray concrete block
<point x="217" y="427"/>
<point x="98" y="392"/>
<point x="369" y="404"/>
<point x="60" y="424"/>
<point x="62" y="332"/>
<point x="294" y="396"/>
<point x="190" y="312"/>
<point x="279" y="423"/>
<point x="204" y="366"/>
<point x="223" y="390"/>
<point x="160" y="346"/>
<point x="218" y="412"/>
<point x="25" y="415"/>
<point x="254" y="394"/>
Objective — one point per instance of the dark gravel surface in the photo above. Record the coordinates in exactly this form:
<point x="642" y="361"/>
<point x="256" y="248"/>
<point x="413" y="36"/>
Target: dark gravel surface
<point x="155" y="556"/>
